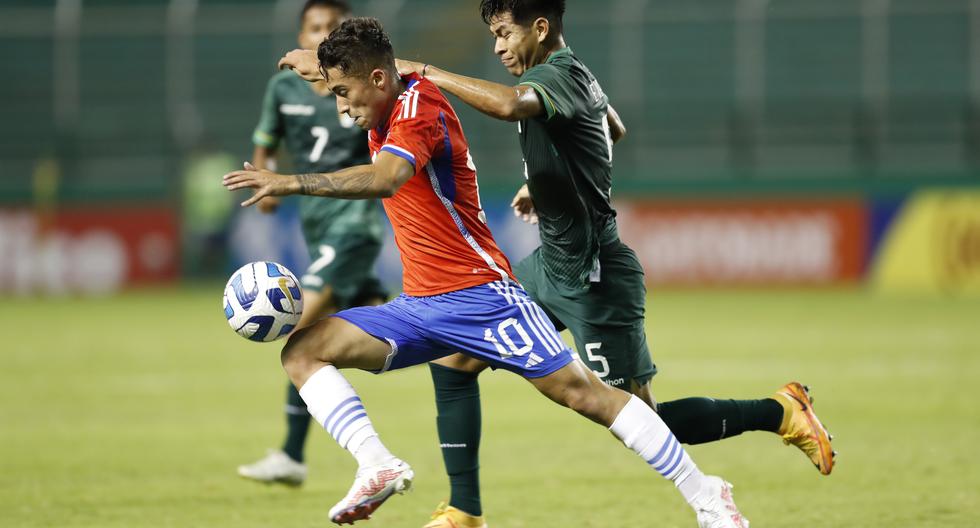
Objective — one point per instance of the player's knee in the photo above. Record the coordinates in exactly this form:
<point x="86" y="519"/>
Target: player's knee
<point x="299" y="357"/>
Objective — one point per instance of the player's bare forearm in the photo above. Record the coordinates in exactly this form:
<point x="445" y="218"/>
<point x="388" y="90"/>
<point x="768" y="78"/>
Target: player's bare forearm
<point x="361" y="181"/>
<point x="378" y="180"/>
<point x="617" y="130"/>
<point x="508" y="103"/>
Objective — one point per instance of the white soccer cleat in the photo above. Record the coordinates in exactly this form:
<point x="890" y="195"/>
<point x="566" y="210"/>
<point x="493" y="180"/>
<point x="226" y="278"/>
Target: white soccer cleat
<point x="275" y="467"/>
<point x="372" y="486"/>
<point x="715" y="506"/>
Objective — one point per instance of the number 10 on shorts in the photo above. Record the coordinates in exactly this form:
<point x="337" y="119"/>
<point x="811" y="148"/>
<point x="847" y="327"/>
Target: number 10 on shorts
<point x="503" y="330"/>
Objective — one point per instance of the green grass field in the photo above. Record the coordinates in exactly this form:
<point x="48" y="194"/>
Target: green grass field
<point x="135" y="411"/>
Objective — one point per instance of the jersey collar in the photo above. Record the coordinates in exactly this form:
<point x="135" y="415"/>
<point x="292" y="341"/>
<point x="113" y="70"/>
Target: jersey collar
<point x="558" y="53"/>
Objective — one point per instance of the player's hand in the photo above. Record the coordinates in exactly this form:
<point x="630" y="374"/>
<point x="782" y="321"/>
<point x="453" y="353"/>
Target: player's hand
<point x="523" y="206"/>
<point x="304" y="62"/>
<point x="407" y="67"/>
<point x="265" y="183"/>
<point x="269" y="204"/>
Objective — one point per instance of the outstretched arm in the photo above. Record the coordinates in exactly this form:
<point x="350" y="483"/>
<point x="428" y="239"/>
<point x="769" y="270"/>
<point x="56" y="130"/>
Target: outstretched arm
<point x="378" y="180"/>
<point x="509" y="103"/>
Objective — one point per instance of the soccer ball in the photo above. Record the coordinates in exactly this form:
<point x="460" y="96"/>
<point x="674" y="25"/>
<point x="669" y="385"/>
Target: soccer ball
<point x="263" y="301"/>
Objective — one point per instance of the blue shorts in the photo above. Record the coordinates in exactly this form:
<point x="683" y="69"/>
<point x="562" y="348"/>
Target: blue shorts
<point x="496" y="322"/>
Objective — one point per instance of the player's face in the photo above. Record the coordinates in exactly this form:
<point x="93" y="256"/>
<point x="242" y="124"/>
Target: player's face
<point x="363" y="98"/>
<point x="516" y="45"/>
<point x="318" y="22"/>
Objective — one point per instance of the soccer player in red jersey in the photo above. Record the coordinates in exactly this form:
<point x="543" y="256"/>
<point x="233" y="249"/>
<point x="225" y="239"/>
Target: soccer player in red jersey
<point x="459" y="291"/>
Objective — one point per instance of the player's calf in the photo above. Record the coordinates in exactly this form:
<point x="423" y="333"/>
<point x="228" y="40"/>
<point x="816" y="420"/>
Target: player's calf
<point x="578" y="388"/>
<point x="311" y="358"/>
<point x="640" y="429"/>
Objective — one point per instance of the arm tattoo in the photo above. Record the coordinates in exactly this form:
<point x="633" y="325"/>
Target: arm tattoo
<point x="353" y="182"/>
<point x="309" y="182"/>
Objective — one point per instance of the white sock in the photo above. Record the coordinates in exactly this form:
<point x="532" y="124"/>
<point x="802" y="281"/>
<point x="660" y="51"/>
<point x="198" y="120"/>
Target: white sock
<point x="643" y="431"/>
<point x="372" y="452"/>
<point x="333" y="404"/>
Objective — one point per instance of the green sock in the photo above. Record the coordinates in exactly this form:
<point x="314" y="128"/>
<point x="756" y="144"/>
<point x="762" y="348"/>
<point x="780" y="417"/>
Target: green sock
<point x="458" y="422"/>
<point x="700" y="420"/>
<point x="297" y="424"/>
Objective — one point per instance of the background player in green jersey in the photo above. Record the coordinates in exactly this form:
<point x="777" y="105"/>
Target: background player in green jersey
<point x="582" y="274"/>
<point x="343" y="236"/>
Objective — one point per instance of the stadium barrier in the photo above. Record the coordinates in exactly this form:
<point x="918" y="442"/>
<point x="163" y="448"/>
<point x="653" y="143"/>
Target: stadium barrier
<point x="925" y="242"/>
<point x="932" y="245"/>
<point x="753" y="242"/>
<point x="87" y="250"/>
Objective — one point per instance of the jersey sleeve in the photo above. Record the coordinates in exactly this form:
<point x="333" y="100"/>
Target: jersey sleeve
<point x="554" y="87"/>
<point x="414" y="135"/>
<point x="270" y="127"/>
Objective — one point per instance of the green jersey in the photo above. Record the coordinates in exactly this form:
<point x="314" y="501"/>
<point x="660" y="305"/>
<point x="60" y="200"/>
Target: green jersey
<point x="319" y="140"/>
<point x="568" y="166"/>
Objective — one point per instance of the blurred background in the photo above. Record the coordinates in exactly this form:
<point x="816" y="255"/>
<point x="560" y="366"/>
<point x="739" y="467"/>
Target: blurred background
<point x="770" y="142"/>
<point x="800" y="179"/>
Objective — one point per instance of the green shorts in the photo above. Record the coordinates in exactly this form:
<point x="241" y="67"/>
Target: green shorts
<point x="345" y="264"/>
<point x="605" y="319"/>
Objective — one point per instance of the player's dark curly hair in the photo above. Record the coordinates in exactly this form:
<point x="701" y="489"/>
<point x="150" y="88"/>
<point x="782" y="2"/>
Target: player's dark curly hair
<point x="358" y="46"/>
<point x="340" y="5"/>
<point x="525" y="11"/>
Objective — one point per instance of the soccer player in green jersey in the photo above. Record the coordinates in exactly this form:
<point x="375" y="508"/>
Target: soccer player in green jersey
<point x="584" y="277"/>
<point x="343" y="236"/>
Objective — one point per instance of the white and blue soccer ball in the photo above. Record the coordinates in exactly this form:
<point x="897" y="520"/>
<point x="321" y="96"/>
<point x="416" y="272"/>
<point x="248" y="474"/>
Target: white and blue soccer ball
<point x="263" y="301"/>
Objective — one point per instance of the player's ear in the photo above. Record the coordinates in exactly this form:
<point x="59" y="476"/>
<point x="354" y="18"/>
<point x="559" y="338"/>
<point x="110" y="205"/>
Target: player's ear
<point x="542" y="28"/>
<point x="379" y="78"/>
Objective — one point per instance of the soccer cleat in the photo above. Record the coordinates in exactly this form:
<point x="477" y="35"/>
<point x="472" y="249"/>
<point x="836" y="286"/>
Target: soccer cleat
<point x="276" y="466"/>
<point x="447" y="516"/>
<point x="802" y="428"/>
<point x="716" y="507"/>
<point x="372" y="487"/>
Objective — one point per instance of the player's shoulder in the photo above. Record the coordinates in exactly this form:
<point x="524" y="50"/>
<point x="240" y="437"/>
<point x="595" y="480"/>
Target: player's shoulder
<point x="421" y="99"/>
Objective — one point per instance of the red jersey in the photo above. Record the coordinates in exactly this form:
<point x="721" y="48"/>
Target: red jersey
<point x="440" y="227"/>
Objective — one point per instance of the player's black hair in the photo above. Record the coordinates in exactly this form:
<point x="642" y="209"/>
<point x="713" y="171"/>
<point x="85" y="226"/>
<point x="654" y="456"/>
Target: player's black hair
<point x="340" y="5"/>
<point x="358" y="46"/>
<point x="525" y="11"/>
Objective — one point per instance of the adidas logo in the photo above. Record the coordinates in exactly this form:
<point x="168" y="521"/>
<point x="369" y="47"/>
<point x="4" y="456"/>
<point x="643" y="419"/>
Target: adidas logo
<point x="532" y="360"/>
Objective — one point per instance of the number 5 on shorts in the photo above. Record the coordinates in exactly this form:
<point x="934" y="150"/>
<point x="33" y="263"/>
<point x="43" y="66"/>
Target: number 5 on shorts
<point x="589" y="348"/>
